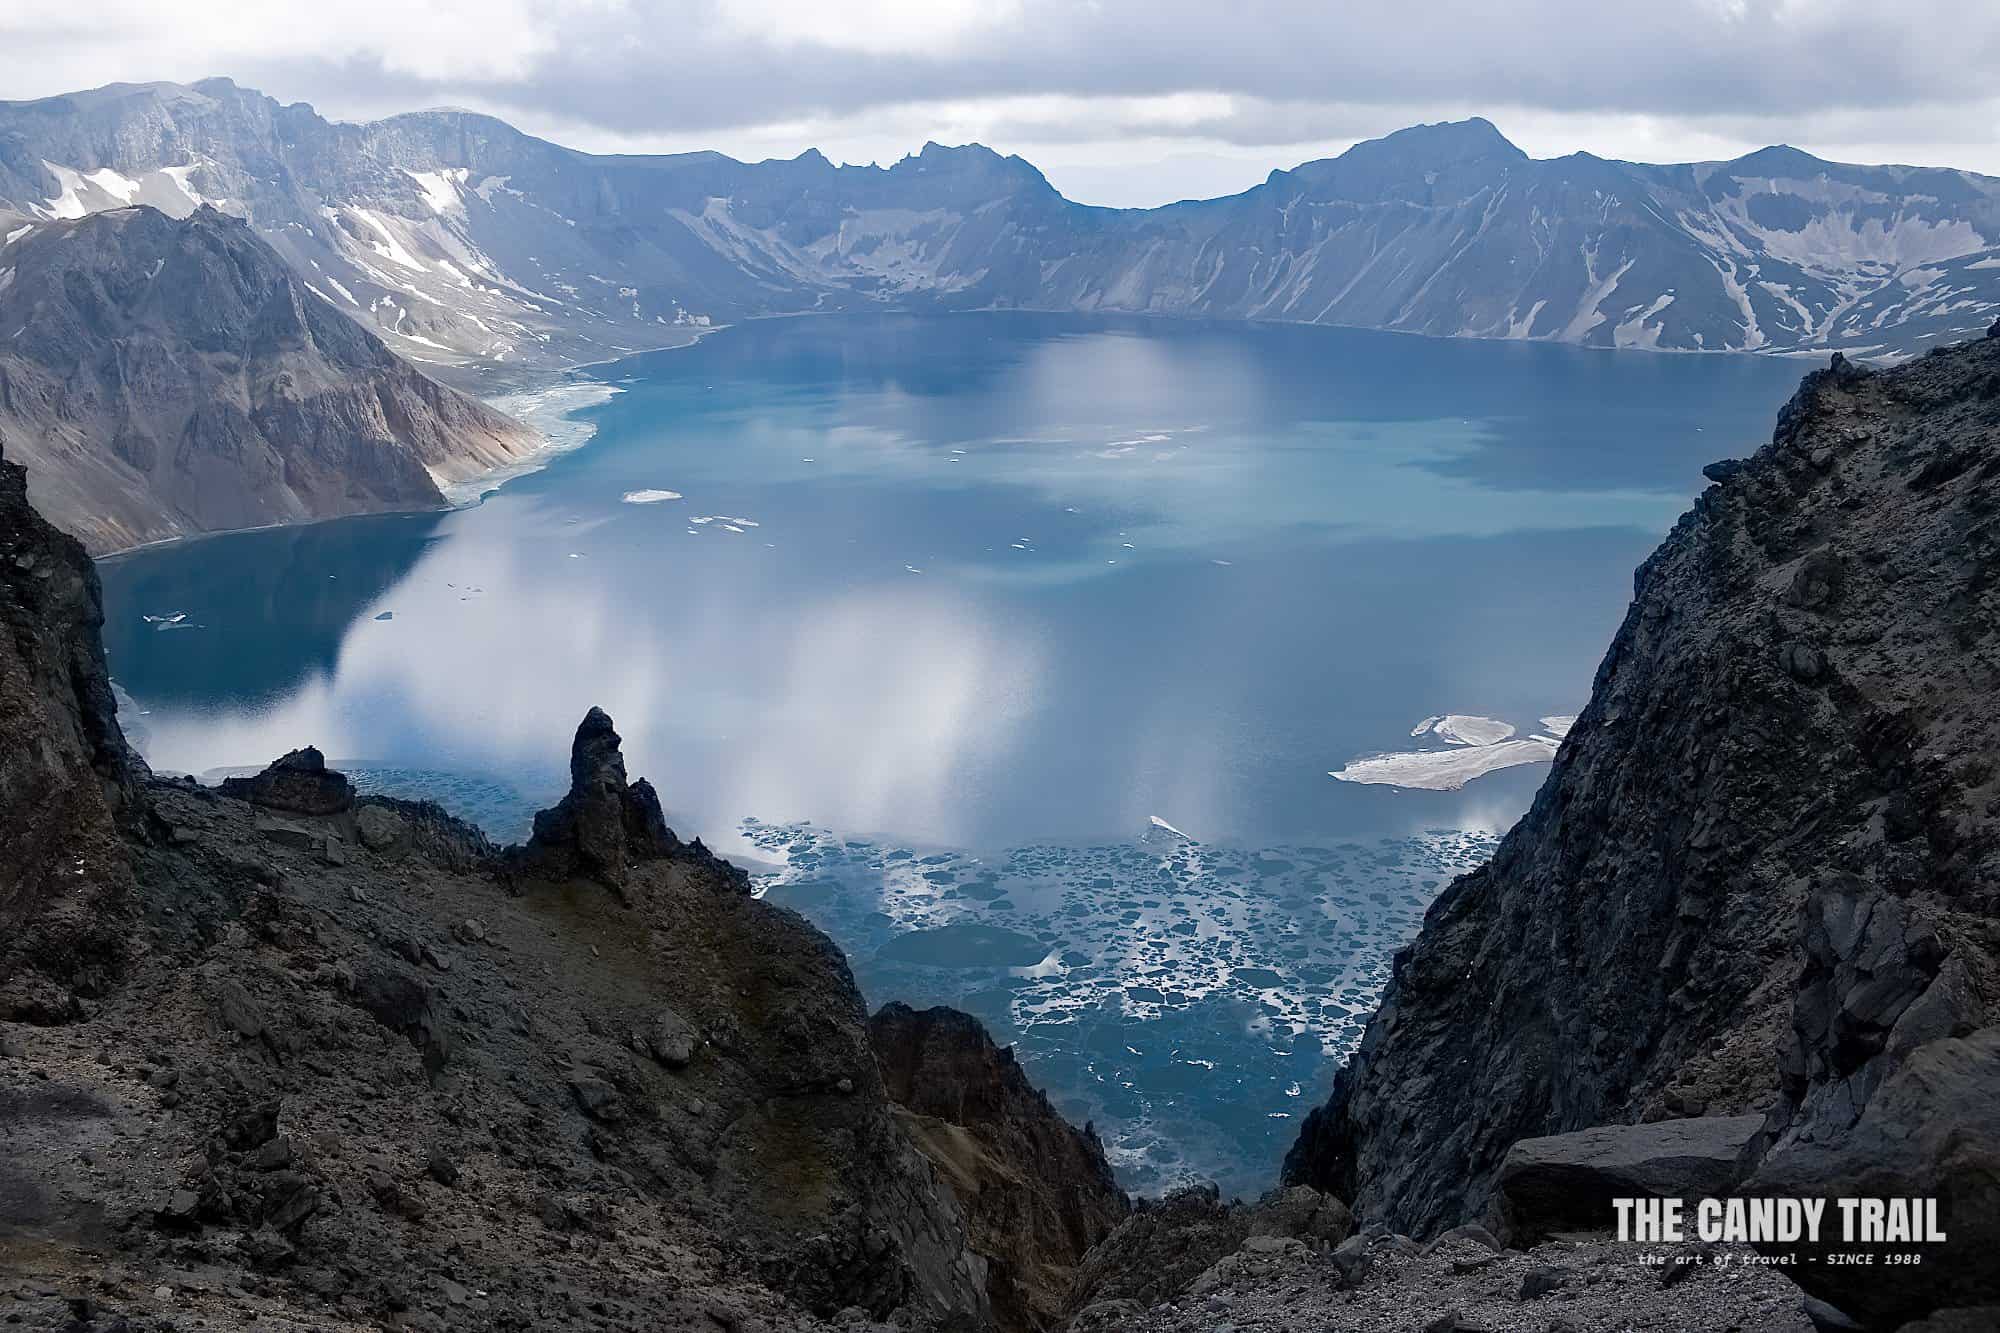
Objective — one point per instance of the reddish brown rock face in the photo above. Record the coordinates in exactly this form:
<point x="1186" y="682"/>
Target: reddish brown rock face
<point x="176" y="376"/>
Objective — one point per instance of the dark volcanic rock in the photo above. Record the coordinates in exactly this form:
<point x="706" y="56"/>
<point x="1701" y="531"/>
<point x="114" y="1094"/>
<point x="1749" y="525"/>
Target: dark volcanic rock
<point x="1745" y="885"/>
<point x="606" y="824"/>
<point x="1037" y="1192"/>
<point x="403" y="1003"/>
<point x="1165" y="1245"/>
<point x="1190" y="1243"/>
<point x="1567" y="1181"/>
<point x="1931" y="1130"/>
<point x="66" y="778"/>
<point x="173" y="376"/>
<point x="300" y="783"/>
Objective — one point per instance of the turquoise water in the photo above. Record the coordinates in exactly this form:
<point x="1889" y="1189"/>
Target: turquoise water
<point x="949" y="611"/>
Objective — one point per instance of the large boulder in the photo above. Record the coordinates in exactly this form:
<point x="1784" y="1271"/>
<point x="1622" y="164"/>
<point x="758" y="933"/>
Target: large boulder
<point x="406" y="1005"/>
<point x="1931" y="1130"/>
<point x="1566" y="1182"/>
<point x="300" y="783"/>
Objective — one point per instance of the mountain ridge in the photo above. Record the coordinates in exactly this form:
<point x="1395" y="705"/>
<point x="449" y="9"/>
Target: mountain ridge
<point x="475" y="246"/>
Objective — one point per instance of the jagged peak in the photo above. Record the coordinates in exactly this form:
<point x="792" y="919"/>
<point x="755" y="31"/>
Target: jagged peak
<point x="934" y="156"/>
<point x="607" y="824"/>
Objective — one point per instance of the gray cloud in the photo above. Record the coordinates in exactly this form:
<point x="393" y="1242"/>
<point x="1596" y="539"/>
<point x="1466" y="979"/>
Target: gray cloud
<point x="684" y="65"/>
<point x="1053" y="72"/>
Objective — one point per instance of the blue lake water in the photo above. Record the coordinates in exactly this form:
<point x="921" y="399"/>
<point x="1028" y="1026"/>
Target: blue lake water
<point x="1017" y="648"/>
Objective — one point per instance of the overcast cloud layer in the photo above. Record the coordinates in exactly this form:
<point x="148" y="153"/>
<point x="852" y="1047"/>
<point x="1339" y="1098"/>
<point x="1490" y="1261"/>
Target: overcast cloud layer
<point x="1120" y="101"/>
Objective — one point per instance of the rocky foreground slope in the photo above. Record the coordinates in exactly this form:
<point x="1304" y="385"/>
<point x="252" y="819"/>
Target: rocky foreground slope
<point x="1761" y="879"/>
<point x="164" y="376"/>
<point x="283" y="1057"/>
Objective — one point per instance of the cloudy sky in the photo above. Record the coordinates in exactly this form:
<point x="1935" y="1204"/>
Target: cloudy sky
<point x="1118" y="101"/>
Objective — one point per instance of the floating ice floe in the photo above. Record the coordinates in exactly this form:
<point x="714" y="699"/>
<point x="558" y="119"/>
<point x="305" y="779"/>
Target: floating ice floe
<point x="1445" y="770"/>
<point x="1478" y="746"/>
<point x="650" y="497"/>
<point x="1467" y="729"/>
<point x="1174" y="977"/>
<point x="1162" y="824"/>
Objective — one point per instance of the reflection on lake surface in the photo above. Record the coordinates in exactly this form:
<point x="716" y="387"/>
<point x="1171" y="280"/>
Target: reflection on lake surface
<point x="951" y="608"/>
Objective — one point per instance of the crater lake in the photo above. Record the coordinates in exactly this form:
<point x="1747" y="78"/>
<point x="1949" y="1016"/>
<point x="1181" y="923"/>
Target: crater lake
<point x="1134" y="685"/>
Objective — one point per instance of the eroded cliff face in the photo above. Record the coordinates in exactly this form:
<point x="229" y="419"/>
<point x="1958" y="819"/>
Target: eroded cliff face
<point x="1761" y="876"/>
<point x="163" y="376"/>
<point x="1037" y="1192"/>
<point x="66" y="778"/>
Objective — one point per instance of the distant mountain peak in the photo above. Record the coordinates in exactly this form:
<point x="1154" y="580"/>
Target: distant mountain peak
<point x="1779" y="160"/>
<point x="975" y="161"/>
<point x="1444" y="141"/>
<point x="933" y="151"/>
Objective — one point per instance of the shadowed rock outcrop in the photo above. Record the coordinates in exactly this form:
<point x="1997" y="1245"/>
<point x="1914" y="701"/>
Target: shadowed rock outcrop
<point x="300" y="783"/>
<point x="1191" y="1242"/>
<point x="1761" y="877"/>
<point x="1567" y="1181"/>
<point x="493" y="1104"/>
<point x="606" y="825"/>
<point x="66" y="778"/>
<point x="1037" y="1191"/>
